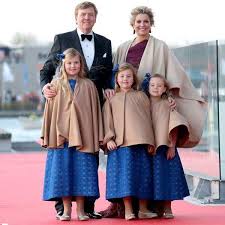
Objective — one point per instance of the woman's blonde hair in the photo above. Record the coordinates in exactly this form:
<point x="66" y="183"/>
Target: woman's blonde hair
<point x="123" y="67"/>
<point x="63" y="76"/>
<point x="141" y="10"/>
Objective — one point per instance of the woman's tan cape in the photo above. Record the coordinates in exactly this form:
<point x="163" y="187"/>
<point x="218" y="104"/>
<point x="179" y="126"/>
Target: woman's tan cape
<point x="127" y="119"/>
<point x="158" y="59"/>
<point x="164" y="121"/>
<point x="75" y="118"/>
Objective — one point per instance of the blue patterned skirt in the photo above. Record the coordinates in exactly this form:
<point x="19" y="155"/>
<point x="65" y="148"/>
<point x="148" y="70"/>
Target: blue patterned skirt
<point x="129" y="173"/>
<point x="70" y="172"/>
<point x="168" y="177"/>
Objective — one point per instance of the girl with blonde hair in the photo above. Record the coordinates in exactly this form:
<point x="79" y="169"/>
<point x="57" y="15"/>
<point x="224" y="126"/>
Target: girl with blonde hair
<point x="72" y="131"/>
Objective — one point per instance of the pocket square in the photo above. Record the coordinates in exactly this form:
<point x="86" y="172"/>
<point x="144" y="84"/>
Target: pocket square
<point x="104" y="56"/>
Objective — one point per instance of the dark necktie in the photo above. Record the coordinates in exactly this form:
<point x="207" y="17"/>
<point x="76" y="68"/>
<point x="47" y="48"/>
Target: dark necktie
<point x="88" y="36"/>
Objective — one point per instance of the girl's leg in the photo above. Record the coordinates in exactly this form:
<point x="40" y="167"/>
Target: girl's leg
<point x="143" y="205"/>
<point x="144" y="212"/>
<point x="67" y="205"/>
<point x="67" y="209"/>
<point x="167" y="207"/>
<point x="80" y="208"/>
<point x="129" y="215"/>
<point x="168" y="214"/>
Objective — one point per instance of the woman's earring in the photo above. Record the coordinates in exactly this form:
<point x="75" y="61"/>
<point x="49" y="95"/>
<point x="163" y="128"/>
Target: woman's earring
<point x="150" y="30"/>
<point x="134" y="32"/>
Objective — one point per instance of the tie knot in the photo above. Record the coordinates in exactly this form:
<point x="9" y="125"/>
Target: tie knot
<point x="88" y="36"/>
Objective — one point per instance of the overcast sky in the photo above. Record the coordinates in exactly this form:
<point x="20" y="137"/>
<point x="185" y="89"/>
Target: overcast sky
<point x="176" y="21"/>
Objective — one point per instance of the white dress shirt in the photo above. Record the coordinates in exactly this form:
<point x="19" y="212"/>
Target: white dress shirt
<point x="88" y="48"/>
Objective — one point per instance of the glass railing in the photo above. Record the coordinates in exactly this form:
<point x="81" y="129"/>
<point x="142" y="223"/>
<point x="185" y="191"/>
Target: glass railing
<point x="201" y="64"/>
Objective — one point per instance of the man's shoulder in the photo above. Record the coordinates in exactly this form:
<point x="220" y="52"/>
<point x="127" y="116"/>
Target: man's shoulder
<point x="66" y="34"/>
<point x="103" y="38"/>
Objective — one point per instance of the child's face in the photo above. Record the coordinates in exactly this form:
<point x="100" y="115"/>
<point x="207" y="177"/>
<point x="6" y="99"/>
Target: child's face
<point x="72" y="66"/>
<point x="156" y="87"/>
<point x="125" y="79"/>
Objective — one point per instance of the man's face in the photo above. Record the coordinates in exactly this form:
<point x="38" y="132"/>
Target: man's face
<point x="86" y="19"/>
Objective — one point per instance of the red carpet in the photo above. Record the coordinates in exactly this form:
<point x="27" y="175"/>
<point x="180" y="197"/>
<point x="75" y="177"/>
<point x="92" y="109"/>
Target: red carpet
<point x="195" y="161"/>
<point x="21" y="177"/>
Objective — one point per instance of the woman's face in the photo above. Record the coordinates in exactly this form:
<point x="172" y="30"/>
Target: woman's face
<point x="156" y="87"/>
<point x="142" y="25"/>
<point x="125" y="79"/>
<point x="72" y="66"/>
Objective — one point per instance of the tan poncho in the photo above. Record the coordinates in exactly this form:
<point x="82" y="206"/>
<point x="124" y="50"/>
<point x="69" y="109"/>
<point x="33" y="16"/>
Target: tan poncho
<point x="158" y="59"/>
<point x="127" y="119"/>
<point x="75" y="118"/>
<point x="165" y="120"/>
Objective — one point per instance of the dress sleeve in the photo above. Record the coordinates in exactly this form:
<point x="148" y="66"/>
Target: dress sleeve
<point x="47" y="117"/>
<point x="109" y="130"/>
<point x="178" y="121"/>
<point x="45" y="130"/>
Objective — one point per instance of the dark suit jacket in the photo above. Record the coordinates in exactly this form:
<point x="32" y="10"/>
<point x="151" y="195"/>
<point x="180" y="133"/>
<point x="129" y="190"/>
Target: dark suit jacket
<point x="100" y="72"/>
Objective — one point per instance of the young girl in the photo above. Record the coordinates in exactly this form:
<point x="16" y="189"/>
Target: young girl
<point x="171" y="130"/>
<point x="72" y="129"/>
<point x="129" y="137"/>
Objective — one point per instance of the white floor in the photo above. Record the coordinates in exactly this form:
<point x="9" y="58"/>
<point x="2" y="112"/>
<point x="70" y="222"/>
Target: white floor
<point x="19" y="134"/>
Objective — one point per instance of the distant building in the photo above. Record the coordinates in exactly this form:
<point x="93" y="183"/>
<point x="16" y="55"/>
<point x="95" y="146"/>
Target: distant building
<point x="19" y="71"/>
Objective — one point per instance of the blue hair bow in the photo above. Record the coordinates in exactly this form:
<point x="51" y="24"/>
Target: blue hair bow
<point x="60" y="56"/>
<point x="115" y="68"/>
<point x="114" y="71"/>
<point x="145" y="83"/>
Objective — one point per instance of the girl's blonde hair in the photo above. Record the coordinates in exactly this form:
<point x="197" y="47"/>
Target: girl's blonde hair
<point x="166" y="84"/>
<point x="63" y="76"/>
<point x="123" y="67"/>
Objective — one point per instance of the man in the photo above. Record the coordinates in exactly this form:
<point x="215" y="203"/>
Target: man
<point x="97" y="53"/>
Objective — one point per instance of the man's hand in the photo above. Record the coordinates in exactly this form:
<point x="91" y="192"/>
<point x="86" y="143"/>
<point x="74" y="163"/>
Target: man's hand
<point x="172" y="103"/>
<point x="111" y="145"/>
<point x="109" y="93"/>
<point x="49" y="91"/>
<point x="170" y="153"/>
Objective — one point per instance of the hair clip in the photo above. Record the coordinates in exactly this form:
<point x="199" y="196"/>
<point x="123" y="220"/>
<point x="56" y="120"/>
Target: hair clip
<point x="60" y="56"/>
<point x="145" y="82"/>
<point x="115" y="68"/>
<point x="114" y="71"/>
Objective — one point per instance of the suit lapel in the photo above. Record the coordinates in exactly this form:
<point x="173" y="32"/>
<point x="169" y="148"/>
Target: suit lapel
<point x="97" y="50"/>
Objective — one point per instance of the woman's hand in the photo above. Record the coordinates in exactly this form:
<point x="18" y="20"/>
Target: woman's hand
<point x="111" y="145"/>
<point x="170" y="153"/>
<point x="172" y="103"/>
